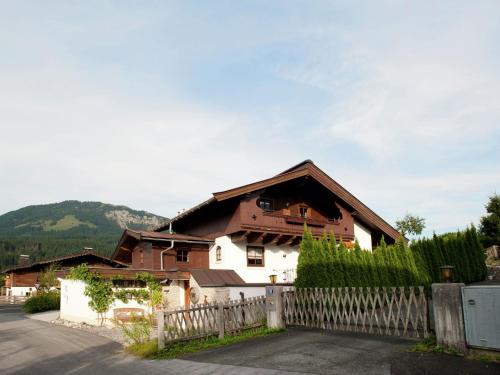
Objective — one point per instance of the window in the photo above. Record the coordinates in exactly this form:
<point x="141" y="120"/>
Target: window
<point x="303" y="211"/>
<point x="182" y="256"/>
<point x="265" y="204"/>
<point x="255" y="256"/>
<point x="218" y="254"/>
<point x="141" y="256"/>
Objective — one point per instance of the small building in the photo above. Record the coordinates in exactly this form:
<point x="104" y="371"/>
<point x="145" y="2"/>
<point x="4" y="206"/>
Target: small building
<point x="22" y="280"/>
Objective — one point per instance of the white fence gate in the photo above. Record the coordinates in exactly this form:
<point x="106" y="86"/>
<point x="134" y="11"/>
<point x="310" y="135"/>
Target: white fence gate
<point x="396" y="311"/>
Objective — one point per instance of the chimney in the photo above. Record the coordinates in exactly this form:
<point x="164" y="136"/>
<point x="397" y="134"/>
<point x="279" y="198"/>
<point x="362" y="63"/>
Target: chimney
<point x="23" y="260"/>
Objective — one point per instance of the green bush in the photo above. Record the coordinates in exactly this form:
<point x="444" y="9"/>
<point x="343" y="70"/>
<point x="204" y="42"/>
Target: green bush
<point x="137" y="331"/>
<point x="42" y="301"/>
<point x="323" y="264"/>
<point x="462" y="250"/>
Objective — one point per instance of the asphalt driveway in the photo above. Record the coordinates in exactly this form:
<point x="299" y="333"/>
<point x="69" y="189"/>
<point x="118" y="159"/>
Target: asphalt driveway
<point x="34" y="347"/>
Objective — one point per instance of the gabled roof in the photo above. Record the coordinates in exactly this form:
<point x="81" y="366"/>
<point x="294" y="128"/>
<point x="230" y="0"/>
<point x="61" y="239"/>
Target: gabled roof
<point x="145" y="235"/>
<point x="62" y="258"/>
<point x="305" y="168"/>
<point x="156" y="236"/>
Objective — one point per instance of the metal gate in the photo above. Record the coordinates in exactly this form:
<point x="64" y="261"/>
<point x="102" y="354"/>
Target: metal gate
<point x="481" y="306"/>
<point x="398" y="311"/>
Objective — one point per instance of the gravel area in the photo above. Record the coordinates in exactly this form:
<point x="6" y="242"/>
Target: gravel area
<point x="112" y="333"/>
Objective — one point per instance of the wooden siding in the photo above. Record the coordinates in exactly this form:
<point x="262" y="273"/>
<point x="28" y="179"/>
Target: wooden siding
<point x="28" y="277"/>
<point x="151" y="256"/>
<point x="326" y="213"/>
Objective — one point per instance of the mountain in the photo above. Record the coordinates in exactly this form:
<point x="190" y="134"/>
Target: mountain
<point x="42" y="231"/>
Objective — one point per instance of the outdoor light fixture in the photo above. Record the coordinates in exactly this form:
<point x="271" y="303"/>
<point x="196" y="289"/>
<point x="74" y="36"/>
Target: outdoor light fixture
<point x="447" y="273"/>
<point x="273" y="278"/>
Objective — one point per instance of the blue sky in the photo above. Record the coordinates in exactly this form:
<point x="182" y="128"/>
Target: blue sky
<point x="157" y="104"/>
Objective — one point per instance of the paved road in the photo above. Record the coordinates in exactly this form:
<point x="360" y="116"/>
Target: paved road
<point x="33" y="347"/>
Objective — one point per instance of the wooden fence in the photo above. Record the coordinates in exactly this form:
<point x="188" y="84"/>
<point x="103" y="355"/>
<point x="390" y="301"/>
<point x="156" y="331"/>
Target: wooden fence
<point x="388" y="311"/>
<point x="210" y="319"/>
<point x="12" y="300"/>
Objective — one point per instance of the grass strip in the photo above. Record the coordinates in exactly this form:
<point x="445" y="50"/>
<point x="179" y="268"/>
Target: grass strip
<point x="429" y="345"/>
<point x="150" y="350"/>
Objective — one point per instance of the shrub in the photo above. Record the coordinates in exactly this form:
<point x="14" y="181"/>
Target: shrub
<point x="461" y="250"/>
<point x="323" y="264"/>
<point x="42" y="301"/>
<point x="138" y="331"/>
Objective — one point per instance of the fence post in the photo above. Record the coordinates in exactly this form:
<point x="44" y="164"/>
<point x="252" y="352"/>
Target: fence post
<point x="220" y="319"/>
<point x="274" y="307"/>
<point x="448" y="315"/>
<point x="160" y="318"/>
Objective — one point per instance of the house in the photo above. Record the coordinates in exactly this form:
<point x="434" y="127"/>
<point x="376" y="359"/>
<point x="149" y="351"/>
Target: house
<point x="22" y="280"/>
<point x="242" y="236"/>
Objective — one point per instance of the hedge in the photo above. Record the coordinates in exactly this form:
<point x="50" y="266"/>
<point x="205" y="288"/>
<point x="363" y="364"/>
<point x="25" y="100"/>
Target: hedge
<point x="462" y="250"/>
<point x="322" y="263"/>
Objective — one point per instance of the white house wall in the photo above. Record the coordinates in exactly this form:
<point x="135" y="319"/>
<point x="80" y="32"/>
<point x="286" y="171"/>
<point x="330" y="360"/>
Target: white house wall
<point x="363" y="235"/>
<point x="234" y="257"/>
<point x="75" y="305"/>
<point x="21" y="291"/>
<point x="248" y="291"/>
<point x="224" y="293"/>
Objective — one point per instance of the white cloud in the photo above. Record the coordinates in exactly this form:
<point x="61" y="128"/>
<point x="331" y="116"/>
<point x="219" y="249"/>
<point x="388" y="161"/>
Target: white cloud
<point x="401" y="75"/>
<point x="65" y="137"/>
<point x="94" y="106"/>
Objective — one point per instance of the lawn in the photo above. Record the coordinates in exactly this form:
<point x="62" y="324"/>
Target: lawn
<point x="150" y="350"/>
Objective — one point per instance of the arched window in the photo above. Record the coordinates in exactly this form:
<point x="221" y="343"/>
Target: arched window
<point x="218" y="254"/>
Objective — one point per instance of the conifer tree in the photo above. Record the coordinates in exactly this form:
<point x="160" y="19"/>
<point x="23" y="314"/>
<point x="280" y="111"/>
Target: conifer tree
<point x="405" y="276"/>
<point x="381" y="267"/>
<point x="305" y="260"/>
<point x="343" y="256"/>
<point x="480" y="254"/>
<point x="337" y="267"/>
<point x="360" y="264"/>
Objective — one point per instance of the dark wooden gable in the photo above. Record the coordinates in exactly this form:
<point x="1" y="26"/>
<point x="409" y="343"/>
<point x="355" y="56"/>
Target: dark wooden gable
<point x="301" y="194"/>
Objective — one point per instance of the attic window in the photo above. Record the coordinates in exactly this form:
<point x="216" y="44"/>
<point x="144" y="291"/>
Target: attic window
<point x="303" y="212"/>
<point x="265" y="204"/>
<point x="218" y="254"/>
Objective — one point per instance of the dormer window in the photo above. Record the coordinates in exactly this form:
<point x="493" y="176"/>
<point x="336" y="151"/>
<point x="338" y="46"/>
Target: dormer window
<point x="303" y="212"/>
<point x="266" y="204"/>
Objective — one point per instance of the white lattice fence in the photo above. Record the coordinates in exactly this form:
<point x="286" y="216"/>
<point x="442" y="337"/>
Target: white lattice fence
<point x="400" y="311"/>
<point x="211" y="319"/>
<point x="244" y="314"/>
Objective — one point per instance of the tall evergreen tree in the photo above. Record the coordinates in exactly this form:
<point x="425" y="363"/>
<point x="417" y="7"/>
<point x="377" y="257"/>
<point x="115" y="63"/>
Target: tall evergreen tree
<point x="305" y="261"/>
<point x="489" y="228"/>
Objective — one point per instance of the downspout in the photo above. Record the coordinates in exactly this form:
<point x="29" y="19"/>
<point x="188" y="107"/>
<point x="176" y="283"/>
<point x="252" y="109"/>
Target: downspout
<point x="172" y="243"/>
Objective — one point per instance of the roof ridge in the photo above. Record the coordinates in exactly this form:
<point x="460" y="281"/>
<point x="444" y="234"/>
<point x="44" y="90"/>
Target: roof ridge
<point x="297" y="166"/>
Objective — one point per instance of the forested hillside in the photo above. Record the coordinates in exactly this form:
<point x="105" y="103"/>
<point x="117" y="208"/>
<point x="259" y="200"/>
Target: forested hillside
<point x="43" y="231"/>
